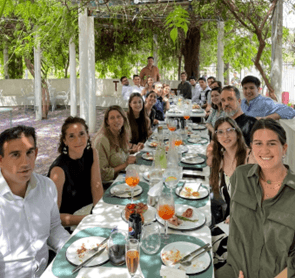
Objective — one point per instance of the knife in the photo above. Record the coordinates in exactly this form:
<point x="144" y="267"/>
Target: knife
<point x="192" y="253"/>
<point x="90" y="258"/>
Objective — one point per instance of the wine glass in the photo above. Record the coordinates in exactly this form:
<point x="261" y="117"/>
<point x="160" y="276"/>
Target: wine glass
<point x="172" y="124"/>
<point x="150" y="238"/>
<point x="132" y="256"/>
<point x="172" y="176"/>
<point x="166" y="209"/>
<point x="132" y="178"/>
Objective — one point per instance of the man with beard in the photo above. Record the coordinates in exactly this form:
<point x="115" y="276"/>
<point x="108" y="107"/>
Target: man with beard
<point x="125" y="87"/>
<point x="231" y="104"/>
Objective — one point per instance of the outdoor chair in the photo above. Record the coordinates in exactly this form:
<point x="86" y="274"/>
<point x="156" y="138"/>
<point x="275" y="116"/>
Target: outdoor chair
<point x="62" y="96"/>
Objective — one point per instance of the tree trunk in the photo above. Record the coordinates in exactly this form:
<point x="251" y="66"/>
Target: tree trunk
<point x="45" y="93"/>
<point x="190" y="51"/>
<point x="179" y="66"/>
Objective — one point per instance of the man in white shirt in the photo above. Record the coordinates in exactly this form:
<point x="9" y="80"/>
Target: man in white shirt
<point x="125" y="88"/>
<point x="29" y="215"/>
<point x="195" y="89"/>
<point x="137" y="87"/>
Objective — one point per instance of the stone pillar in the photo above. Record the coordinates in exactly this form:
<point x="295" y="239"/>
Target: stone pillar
<point x="155" y="47"/>
<point x="5" y="58"/>
<point x="37" y="83"/>
<point x="220" y="52"/>
<point x="276" y="55"/>
<point x="73" y="82"/>
<point x="91" y="75"/>
<point x="83" y="64"/>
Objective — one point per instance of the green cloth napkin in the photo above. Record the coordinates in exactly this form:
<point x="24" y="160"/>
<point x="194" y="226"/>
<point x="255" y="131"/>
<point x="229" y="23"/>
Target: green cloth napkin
<point x="150" y="264"/>
<point x="108" y="198"/>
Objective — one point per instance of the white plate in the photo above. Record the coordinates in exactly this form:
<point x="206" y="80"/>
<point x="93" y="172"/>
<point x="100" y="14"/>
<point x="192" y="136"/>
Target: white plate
<point x="124" y="186"/>
<point x="147" y="156"/>
<point x="199" y="264"/>
<point x="192" y="187"/>
<point x="152" y="144"/>
<point x="89" y="242"/>
<point x="146" y="176"/>
<point x="195" y="160"/>
<point x="198" y="127"/>
<point x="198" y="140"/>
<point x="197" y="110"/>
<point x="149" y="215"/>
<point x="165" y="137"/>
<point x="186" y="225"/>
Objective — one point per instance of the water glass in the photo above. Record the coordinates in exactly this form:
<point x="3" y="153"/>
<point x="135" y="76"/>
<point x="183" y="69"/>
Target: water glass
<point x="155" y="176"/>
<point x="150" y="238"/>
<point x="116" y="247"/>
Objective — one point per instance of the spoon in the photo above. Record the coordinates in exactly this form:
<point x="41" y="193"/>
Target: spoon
<point x="188" y="262"/>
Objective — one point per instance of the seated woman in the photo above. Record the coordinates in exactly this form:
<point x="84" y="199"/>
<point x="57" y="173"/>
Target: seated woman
<point x="112" y="144"/>
<point x="229" y="151"/>
<point x="162" y="104"/>
<point x="148" y="87"/>
<point x="76" y="171"/>
<point x="258" y="106"/>
<point x="217" y="111"/>
<point x="262" y="232"/>
<point x="150" y="100"/>
<point x="138" y="119"/>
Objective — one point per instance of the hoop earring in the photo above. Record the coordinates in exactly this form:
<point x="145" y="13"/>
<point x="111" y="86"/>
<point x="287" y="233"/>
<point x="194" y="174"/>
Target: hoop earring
<point x="65" y="149"/>
<point x="88" y="146"/>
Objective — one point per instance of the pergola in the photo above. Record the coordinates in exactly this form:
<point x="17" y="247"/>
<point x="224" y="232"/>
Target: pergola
<point x="87" y="85"/>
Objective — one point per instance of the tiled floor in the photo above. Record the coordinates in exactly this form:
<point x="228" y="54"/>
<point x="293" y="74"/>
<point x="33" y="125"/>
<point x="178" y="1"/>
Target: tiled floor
<point x="48" y="131"/>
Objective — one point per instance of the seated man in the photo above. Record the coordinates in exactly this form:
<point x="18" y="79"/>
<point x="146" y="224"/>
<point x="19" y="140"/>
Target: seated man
<point x="231" y="104"/>
<point x="195" y="89"/>
<point x="205" y="92"/>
<point x="162" y="103"/>
<point x="29" y="217"/>
<point x="258" y="106"/>
<point x="184" y="87"/>
<point x="125" y="88"/>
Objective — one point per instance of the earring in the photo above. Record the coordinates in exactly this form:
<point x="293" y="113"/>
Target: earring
<point x="65" y="149"/>
<point x="88" y="145"/>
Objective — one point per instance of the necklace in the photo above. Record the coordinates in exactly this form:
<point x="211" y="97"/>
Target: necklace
<point x="269" y="182"/>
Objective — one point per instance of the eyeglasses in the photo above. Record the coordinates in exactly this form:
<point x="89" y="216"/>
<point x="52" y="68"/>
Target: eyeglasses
<point x="221" y="132"/>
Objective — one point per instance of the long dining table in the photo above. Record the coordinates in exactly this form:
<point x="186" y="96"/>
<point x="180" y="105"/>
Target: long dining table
<point x="108" y="213"/>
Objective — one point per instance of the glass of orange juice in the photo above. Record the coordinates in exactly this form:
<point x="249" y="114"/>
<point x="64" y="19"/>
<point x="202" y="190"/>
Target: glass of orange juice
<point x="132" y="179"/>
<point x="132" y="256"/>
<point x="166" y="209"/>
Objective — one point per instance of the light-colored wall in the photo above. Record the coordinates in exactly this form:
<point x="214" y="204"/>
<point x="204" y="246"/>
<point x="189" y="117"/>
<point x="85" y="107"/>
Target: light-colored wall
<point x="105" y="90"/>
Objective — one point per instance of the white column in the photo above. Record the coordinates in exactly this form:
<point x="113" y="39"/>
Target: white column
<point x="73" y="84"/>
<point x="5" y="58"/>
<point x="220" y="52"/>
<point x="83" y="64"/>
<point x="276" y="55"/>
<point x="91" y="75"/>
<point x="37" y="81"/>
<point x="155" y="47"/>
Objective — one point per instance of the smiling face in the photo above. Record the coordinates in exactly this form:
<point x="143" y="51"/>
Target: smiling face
<point x="267" y="149"/>
<point x="18" y="161"/>
<point x="124" y="82"/>
<point x="230" y="104"/>
<point x="210" y="81"/>
<point x="115" y="121"/>
<point x="226" y="135"/>
<point x="216" y="97"/>
<point x="192" y="82"/>
<point x="214" y="85"/>
<point x="136" y="104"/>
<point x="150" y="81"/>
<point x="150" y="62"/>
<point x="137" y="80"/>
<point x="76" y="140"/>
<point x="250" y="91"/>
<point x="158" y="89"/>
<point x="202" y="84"/>
<point x="151" y="99"/>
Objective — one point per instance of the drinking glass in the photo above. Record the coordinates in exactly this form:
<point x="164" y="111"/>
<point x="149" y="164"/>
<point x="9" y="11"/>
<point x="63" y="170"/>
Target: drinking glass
<point x="150" y="238"/>
<point x="172" y="176"/>
<point x="172" y="124"/>
<point x="178" y="140"/>
<point x="155" y="176"/>
<point x="132" y="256"/>
<point x="166" y="209"/>
<point x="132" y="179"/>
<point x="116" y="247"/>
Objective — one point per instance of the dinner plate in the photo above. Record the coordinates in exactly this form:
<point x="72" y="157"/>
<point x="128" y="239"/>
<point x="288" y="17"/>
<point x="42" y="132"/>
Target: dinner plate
<point x="152" y="144"/>
<point x="186" y="225"/>
<point x="165" y="137"/>
<point x="198" y="127"/>
<point x="124" y="187"/>
<point x="146" y="176"/>
<point x="147" y="156"/>
<point x="194" y="160"/>
<point x="179" y="249"/>
<point x="191" y="188"/>
<point x="197" y="110"/>
<point x="88" y="243"/>
<point x="149" y="215"/>
<point x="201" y="140"/>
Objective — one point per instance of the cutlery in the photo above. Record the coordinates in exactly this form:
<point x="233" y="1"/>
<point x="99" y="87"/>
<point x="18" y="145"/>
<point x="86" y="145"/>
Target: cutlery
<point x="188" y="262"/>
<point x="89" y="259"/>
<point x="192" y="253"/>
<point x="199" y="187"/>
<point x="183" y="186"/>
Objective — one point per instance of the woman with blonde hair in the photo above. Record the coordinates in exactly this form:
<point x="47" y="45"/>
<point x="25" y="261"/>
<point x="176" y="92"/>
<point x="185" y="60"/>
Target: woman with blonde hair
<point x="112" y="144"/>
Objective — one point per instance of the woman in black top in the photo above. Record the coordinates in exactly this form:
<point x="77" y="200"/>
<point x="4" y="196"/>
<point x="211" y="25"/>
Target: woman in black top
<point x="76" y="171"/>
<point x="150" y="100"/>
<point x="139" y="122"/>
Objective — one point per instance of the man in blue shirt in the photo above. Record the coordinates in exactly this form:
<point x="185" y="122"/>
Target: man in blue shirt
<point x="258" y="106"/>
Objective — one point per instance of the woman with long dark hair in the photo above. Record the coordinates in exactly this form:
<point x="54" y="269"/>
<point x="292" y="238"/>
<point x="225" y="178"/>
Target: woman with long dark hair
<point x="138" y="120"/>
<point x="262" y="220"/>
<point x="76" y="171"/>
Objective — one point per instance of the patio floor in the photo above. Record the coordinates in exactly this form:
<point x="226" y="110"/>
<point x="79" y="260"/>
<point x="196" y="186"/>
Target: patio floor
<point x="48" y="131"/>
